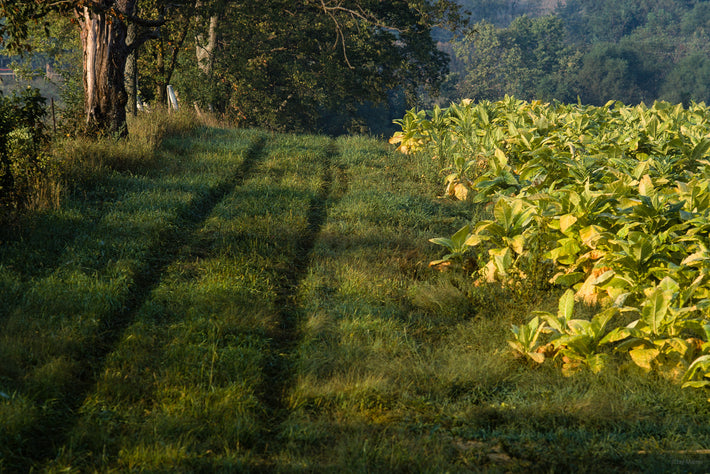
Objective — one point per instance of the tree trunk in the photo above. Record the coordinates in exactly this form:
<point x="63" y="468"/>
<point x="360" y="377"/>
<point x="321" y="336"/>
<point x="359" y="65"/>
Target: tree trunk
<point x="205" y="49"/>
<point x="132" y="73"/>
<point x="161" y="95"/>
<point x="103" y="37"/>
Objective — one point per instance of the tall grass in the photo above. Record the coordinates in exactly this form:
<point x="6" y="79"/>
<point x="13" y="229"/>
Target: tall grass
<point x="74" y="160"/>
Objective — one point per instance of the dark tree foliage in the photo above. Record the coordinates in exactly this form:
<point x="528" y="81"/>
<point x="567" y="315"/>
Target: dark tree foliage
<point x="689" y="81"/>
<point x="613" y="72"/>
<point x="22" y="138"/>
<point x="275" y="63"/>
<point x="528" y="59"/>
<point x="286" y="65"/>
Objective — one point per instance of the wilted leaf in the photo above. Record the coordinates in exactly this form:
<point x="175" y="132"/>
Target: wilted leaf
<point x="461" y="191"/>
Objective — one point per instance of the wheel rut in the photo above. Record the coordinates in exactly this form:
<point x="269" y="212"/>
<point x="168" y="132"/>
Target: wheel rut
<point x="55" y="428"/>
<point x="279" y="370"/>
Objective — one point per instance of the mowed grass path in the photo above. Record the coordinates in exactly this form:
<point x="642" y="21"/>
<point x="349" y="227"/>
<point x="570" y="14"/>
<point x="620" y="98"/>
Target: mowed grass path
<point x="255" y="302"/>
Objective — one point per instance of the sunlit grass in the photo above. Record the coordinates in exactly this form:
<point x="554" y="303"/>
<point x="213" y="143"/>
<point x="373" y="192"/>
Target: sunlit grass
<point x="291" y="323"/>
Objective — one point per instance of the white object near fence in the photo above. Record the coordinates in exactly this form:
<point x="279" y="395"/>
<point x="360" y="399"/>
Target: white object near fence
<point x="172" y="98"/>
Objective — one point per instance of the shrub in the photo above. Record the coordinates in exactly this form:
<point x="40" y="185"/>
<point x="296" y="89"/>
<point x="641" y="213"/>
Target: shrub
<point x="23" y="141"/>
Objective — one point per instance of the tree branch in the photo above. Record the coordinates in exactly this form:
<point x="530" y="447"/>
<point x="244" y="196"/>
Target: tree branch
<point x="331" y="9"/>
<point x="142" y="38"/>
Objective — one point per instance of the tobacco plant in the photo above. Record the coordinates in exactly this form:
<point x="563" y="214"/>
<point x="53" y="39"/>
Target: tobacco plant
<point x="614" y="199"/>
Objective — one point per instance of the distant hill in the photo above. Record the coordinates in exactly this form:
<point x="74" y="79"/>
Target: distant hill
<point x="502" y="12"/>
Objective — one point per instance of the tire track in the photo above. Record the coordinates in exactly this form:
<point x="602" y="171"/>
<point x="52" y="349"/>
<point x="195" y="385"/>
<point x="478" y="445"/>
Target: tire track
<point x="279" y="371"/>
<point x="169" y="246"/>
<point x="55" y="428"/>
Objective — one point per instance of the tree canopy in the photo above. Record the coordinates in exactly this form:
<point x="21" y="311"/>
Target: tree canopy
<point x="271" y="63"/>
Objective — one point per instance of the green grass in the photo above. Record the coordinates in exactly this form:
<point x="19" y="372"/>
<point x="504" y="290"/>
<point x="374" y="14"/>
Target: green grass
<point x="240" y="301"/>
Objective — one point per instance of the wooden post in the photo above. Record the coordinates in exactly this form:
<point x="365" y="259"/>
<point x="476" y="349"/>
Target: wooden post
<point x="172" y="98"/>
<point x="54" y="118"/>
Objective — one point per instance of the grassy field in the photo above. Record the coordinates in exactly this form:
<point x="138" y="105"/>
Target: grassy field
<point x="250" y="302"/>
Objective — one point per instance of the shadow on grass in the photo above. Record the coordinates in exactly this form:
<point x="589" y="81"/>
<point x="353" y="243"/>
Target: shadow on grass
<point x="53" y="428"/>
<point x="279" y="370"/>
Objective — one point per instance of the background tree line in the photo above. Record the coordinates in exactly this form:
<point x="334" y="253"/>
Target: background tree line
<point x="587" y="50"/>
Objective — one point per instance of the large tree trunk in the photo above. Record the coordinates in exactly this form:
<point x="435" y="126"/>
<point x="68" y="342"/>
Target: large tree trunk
<point x="103" y="37"/>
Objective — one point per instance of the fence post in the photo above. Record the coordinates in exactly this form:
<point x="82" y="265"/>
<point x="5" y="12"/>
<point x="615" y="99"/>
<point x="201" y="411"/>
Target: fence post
<point x="172" y="98"/>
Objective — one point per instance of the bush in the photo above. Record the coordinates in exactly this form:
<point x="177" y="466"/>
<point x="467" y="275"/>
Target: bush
<point x="23" y="141"/>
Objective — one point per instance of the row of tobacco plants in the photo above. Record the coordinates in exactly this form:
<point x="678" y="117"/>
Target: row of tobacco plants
<point x="609" y="204"/>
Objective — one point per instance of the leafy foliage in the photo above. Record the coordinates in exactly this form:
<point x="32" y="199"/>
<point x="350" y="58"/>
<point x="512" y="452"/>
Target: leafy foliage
<point x="315" y="64"/>
<point x="22" y="143"/>
<point x="615" y="199"/>
<point x="592" y="50"/>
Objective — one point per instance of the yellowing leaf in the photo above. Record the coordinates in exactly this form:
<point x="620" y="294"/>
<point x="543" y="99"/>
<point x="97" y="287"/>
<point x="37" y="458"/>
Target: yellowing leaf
<point x="567" y="221"/>
<point x="644" y="357"/>
<point x="646" y="186"/>
<point x="501" y="157"/>
<point x="536" y="356"/>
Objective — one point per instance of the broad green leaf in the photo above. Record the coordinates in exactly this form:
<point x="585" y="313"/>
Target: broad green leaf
<point x="517" y="243"/>
<point x="674" y="344"/>
<point x="500" y="155"/>
<point x="473" y="240"/>
<point x="700" y="365"/>
<point x="443" y="241"/>
<point x="579" y="346"/>
<point x="655" y="310"/>
<point x="605" y="278"/>
<point x="616" y="335"/>
<point x="600" y="320"/>
<point x="669" y="285"/>
<point x="566" y="305"/>
<point x="696" y="384"/>
<point x="554" y="322"/>
<point x="590" y="235"/>
<point x="644" y="357"/>
<point x="502" y="259"/>
<point x="702" y="256"/>
<point x="646" y="186"/>
<point x="567" y="279"/>
<point x="701" y="149"/>
<point x="579" y="326"/>
<point x="460" y="236"/>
